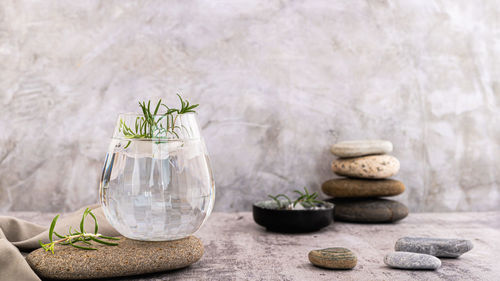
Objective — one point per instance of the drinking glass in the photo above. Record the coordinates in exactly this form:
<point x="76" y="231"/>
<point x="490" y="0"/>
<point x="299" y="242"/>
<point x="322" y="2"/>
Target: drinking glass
<point x="157" y="188"/>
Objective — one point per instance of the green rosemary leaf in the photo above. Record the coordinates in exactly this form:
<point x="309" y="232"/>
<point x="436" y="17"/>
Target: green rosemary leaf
<point x="275" y="200"/>
<point x="73" y="240"/>
<point x="299" y="199"/>
<point x="58" y="235"/>
<point x="108" y="237"/>
<point x="81" y="247"/>
<point x="86" y="242"/>
<point x="157" y="107"/>
<point x="193" y="107"/>
<point x="82" y="222"/>
<point x="73" y="233"/>
<point x="300" y="193"/>
<point x="143" y="107"/>
<point x="286" y="197"/>
<point x="182" y="102"/>
<point x="96" y="227"/>
<point x="306" y="204"/>
<point x="143" y="128"/>
<point x="177" y="135"/>
<point x="103" y="242"/>
<point x="52" y="226"/>
<point x="42" y="245"/>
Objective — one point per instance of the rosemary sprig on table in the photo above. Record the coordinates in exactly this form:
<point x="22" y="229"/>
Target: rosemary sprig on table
<point x="305" y="199"/>
<point x="76" y="236"/>
<point x="149" y="126"/>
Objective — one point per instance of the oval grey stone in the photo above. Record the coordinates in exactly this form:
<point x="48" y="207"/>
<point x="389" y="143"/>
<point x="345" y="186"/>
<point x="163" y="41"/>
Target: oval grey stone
<point x="405" y="260"/>
<point x="446" y="248"/>
<point x="130" y="257"/>
<point x="361" y="147"/>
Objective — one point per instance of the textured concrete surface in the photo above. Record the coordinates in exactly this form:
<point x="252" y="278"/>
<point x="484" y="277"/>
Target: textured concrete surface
<point x="238" y="249"/>
<point x="279" y="82"/>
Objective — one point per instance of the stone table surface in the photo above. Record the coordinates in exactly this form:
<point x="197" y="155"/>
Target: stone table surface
<point x="238" y="249"/>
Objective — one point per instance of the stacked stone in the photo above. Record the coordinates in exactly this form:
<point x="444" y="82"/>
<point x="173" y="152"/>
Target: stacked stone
<point x="367" y="168"/>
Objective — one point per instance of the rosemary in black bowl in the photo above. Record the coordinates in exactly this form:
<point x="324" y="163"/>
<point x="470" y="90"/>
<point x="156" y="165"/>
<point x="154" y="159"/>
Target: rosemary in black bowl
<point x="304" y="214"/>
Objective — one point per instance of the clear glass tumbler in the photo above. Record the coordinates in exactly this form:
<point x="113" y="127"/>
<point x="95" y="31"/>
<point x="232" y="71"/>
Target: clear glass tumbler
<point x="158" y="188"/>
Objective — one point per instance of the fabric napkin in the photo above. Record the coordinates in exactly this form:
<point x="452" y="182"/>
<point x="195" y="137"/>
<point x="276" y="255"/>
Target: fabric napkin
<point x="19" y="235"/>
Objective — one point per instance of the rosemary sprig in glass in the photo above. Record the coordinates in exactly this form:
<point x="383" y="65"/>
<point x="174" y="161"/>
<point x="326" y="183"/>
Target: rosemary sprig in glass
<point x="76" y="236"/>
<point x="149" y="126"/>
<point x="305" y="199"/>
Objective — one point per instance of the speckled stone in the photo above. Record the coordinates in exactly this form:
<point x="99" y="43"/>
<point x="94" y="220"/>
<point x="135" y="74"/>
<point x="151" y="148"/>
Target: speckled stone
<point x="334" y="258"/>
<point x="368" y="167"/>
<point x="445" y="248"/>
<point x="405" y="260"/>
<point x="361" y="148"/>
<point x="130" y="257"/>
<point x="368" y="210"/>
<point x="345" y="188"/>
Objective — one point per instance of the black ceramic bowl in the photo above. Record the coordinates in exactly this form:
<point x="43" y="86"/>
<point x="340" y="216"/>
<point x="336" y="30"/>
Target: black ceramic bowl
<point x="291" y="221"/>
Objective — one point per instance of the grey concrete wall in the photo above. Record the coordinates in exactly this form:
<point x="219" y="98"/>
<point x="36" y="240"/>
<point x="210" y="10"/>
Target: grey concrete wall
<point x="278" y="83"/>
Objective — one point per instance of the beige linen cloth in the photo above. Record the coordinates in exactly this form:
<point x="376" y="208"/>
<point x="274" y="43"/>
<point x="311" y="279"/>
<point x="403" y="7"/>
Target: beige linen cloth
<point x="19" y="235"/>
